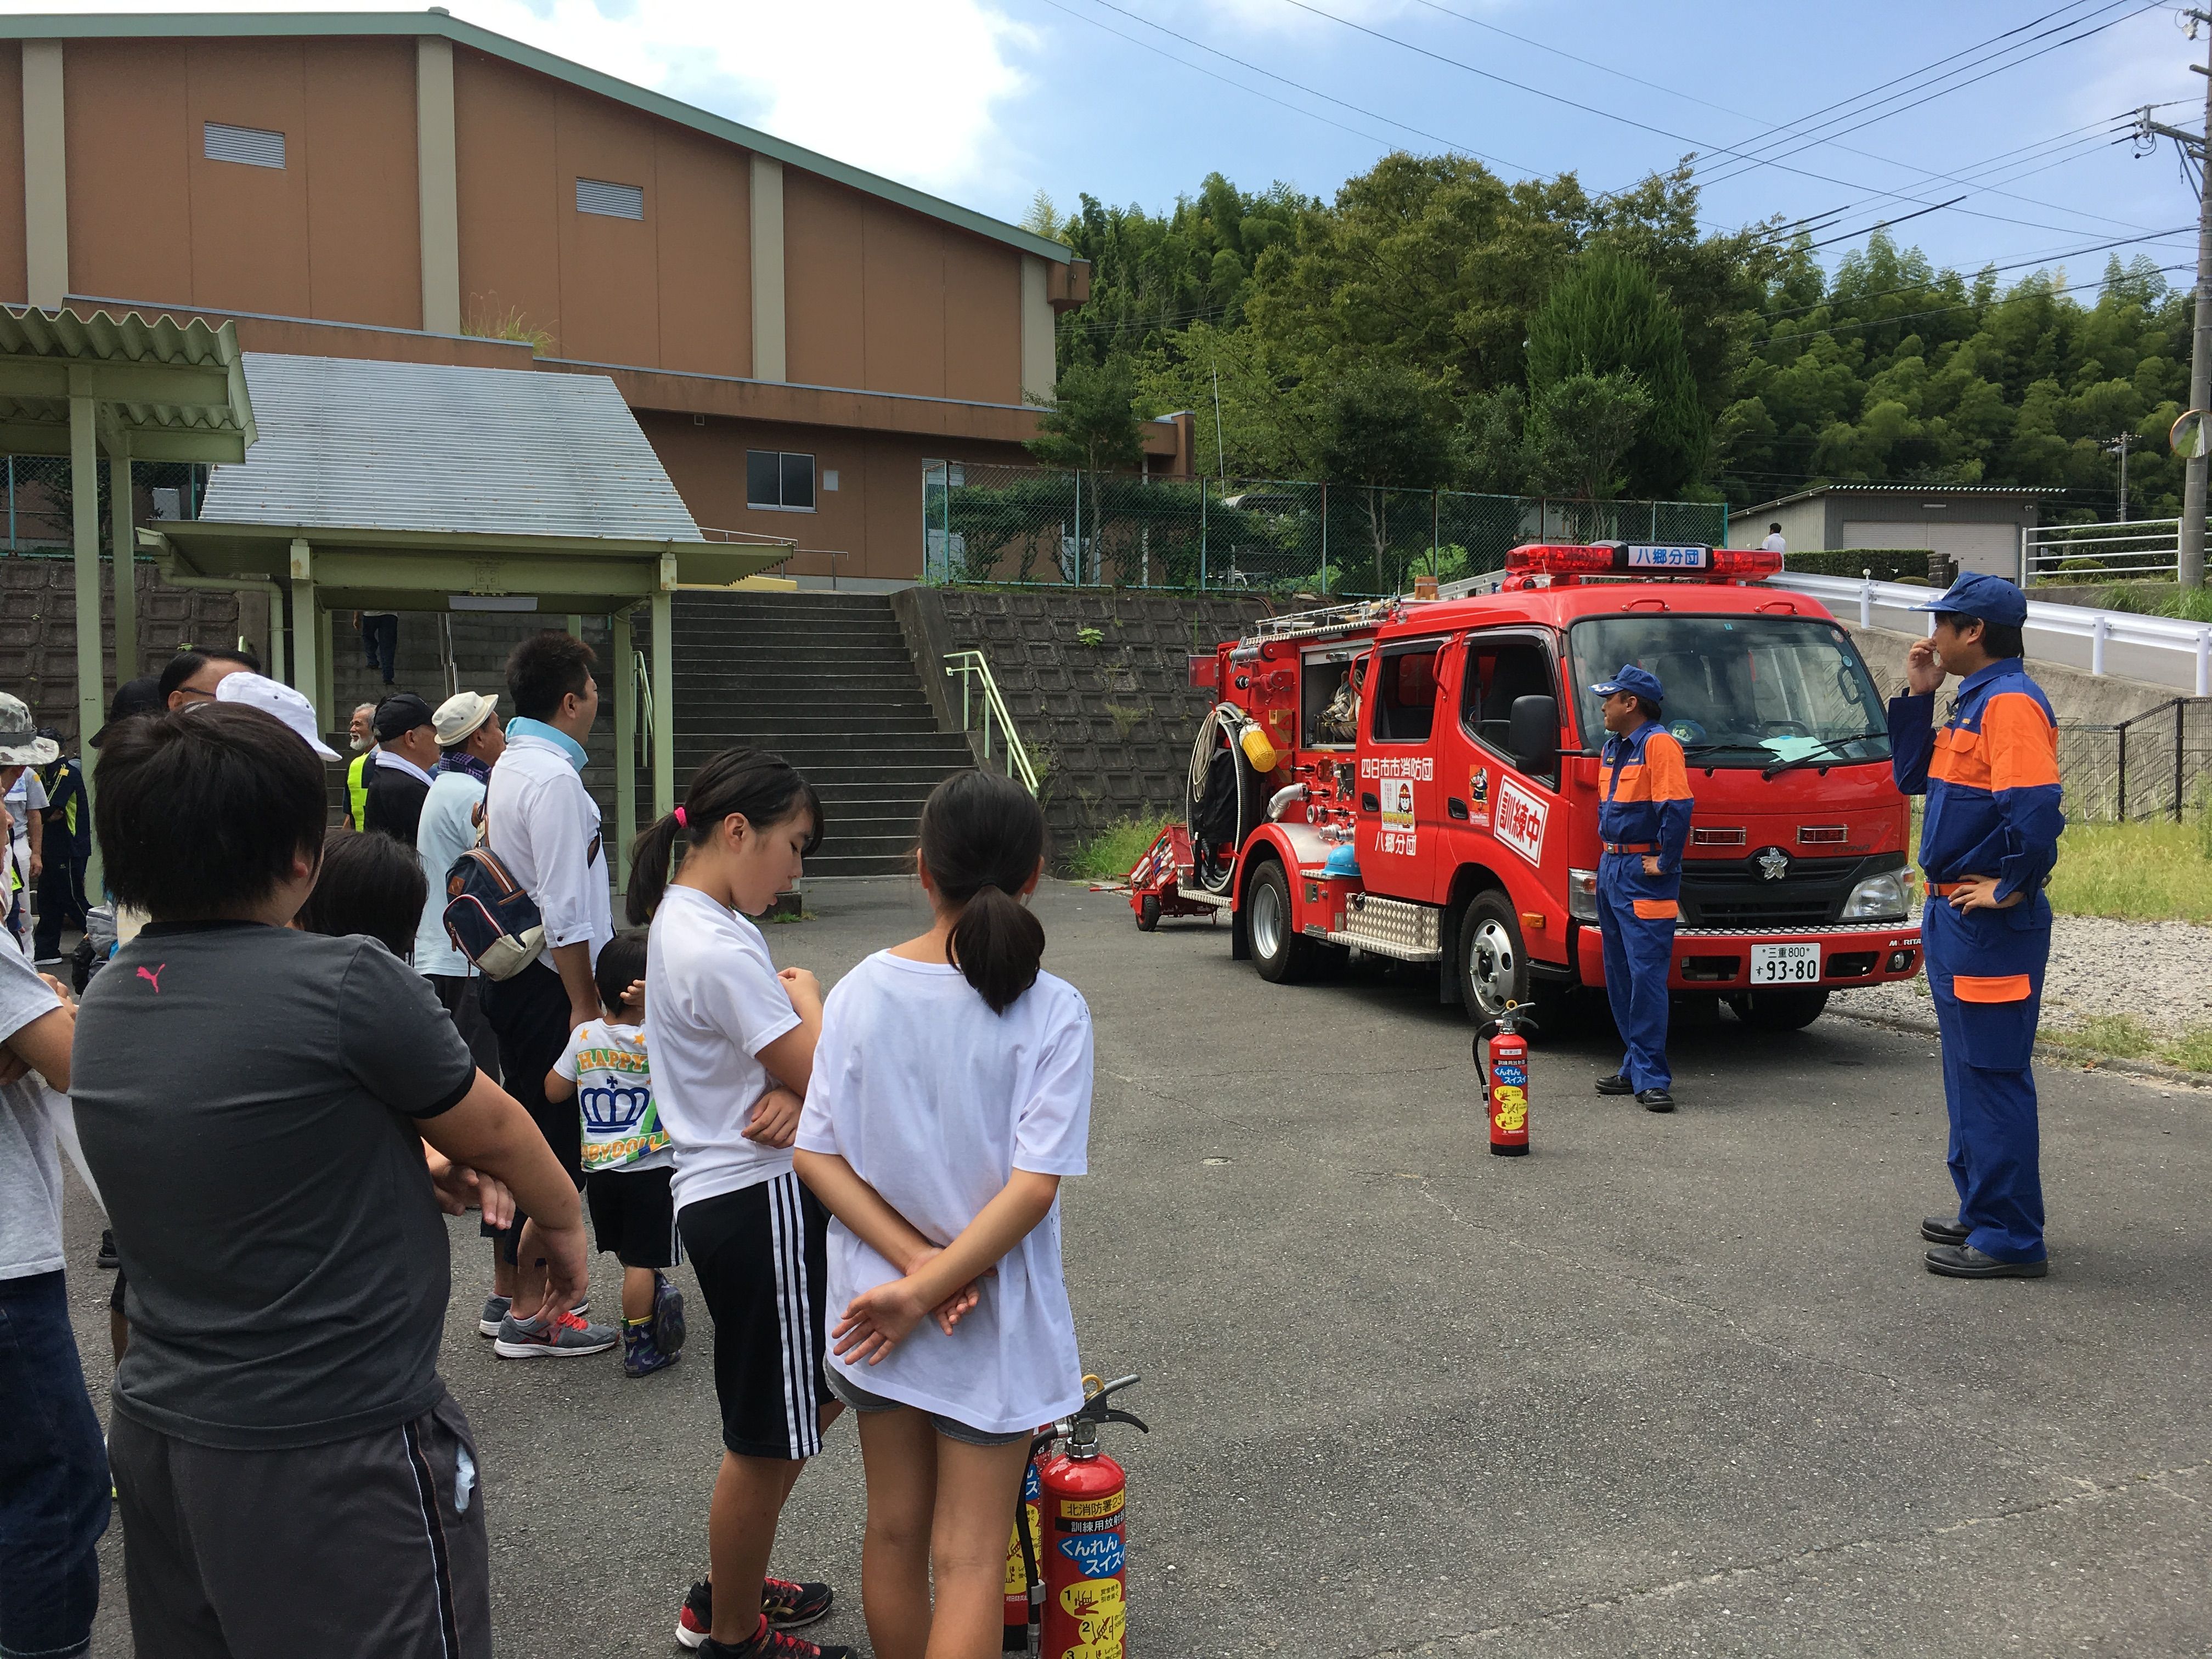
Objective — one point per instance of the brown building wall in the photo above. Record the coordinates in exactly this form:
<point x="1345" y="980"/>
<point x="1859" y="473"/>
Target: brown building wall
<point x="333" y="233"/>
<point x="874" y="516"/>
<point x="14" y="279"/>
<point x="671" y="291"/>
<point x="880" y="297"/>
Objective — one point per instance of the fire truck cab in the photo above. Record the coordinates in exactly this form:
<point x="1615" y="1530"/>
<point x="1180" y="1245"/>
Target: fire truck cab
<point x="1420" y="779"/>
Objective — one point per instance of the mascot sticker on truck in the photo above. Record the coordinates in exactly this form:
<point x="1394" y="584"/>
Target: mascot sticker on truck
<point x="1521" y="820"/>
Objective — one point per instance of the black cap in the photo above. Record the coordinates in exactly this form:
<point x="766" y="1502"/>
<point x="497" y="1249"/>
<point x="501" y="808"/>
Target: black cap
<point x="133" y="698"/>
<point x="401" y="711"/>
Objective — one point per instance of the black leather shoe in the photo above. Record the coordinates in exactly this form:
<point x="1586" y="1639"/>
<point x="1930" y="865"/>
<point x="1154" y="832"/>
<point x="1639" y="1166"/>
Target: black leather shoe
<point x="1964" y="1262"/>
<point x="1936" y="1230"/>
<point x="1617" y="1084"/>
<point x="1655" y="1100"/>
<point x="108" y="1260"/>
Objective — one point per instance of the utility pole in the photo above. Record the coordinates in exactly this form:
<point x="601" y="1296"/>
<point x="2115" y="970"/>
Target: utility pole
<point x="2191" y="571"/>
<point x="2119" y="447"/>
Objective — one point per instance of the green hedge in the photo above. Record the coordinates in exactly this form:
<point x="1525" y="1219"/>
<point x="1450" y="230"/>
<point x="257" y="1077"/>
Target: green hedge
<point x="1888" y="564"/>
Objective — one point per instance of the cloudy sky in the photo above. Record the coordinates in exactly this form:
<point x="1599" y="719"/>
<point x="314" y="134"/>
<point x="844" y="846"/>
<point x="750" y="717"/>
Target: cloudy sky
<point x="1884" y="108"/>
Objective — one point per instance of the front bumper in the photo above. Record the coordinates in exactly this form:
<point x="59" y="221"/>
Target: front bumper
<point x="1719" y="958"/>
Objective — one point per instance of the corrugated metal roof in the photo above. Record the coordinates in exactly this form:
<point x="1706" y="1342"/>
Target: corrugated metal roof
<point x="362" y="444"/>
<point x="163" y="25"/>
<point x="2014" y="490"/>
<point x="209" y="403"/>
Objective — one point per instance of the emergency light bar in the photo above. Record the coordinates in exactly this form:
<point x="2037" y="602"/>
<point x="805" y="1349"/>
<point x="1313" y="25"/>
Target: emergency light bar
<point x="1712" y="564"/>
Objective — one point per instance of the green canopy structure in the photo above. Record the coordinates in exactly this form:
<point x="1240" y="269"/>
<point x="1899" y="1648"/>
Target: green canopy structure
<point x="393" y="486"/>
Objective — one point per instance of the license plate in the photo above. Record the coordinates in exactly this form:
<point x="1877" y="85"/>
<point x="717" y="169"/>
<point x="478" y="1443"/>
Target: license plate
<point x="1786" y="965"/>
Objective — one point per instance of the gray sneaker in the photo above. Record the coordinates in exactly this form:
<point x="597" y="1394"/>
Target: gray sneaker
<point x="494" y="1314"/>
<point x="566" y="1337"/>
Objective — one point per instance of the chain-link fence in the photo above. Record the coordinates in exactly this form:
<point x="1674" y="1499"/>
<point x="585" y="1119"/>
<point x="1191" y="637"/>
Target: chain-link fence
<point x="1042" y="526"/>
<point x="2154" y="764"/>
<point x="40" y="503"/>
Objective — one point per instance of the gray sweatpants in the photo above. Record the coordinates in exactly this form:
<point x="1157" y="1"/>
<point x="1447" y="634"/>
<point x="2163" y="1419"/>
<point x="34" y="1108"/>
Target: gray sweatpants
<point x="367" y="1548"/>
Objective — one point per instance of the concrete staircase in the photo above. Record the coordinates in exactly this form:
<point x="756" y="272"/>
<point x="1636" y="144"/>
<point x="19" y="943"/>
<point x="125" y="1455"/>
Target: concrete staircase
<point x="826" y="681"/>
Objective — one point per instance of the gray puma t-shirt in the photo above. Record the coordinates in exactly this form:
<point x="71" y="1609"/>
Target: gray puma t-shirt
<point x="244" y="1094"/>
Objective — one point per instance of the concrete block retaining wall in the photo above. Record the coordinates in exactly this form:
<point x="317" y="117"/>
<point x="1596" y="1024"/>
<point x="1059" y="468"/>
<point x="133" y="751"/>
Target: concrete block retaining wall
<point x="1110" y="726"/>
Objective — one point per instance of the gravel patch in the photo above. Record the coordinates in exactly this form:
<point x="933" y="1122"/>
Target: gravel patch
<point x="2161" y="972"/>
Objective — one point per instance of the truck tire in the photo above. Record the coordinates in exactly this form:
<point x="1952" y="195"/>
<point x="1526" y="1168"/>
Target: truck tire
<point x="1491" y="964"/>
<point x="1148" y="913"/>
<point x="1279" y="951"/>
<point x="1779" y="1011"/>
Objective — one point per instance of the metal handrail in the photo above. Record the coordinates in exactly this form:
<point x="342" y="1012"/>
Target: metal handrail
<point x="643" y="672"/>
<point x="972" y="666"/>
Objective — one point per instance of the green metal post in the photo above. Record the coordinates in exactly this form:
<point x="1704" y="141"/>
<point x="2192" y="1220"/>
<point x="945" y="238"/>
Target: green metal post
<point x="1324" y="541"/>
<point x="91" y="688"/>
<point x="575" y="628"/>
<point x="326" y="668"/>
<point x="126" y="557"/>
<point x="1201" y="535"/>
<point x="624" y="667"/>
<point x="664" y="689"/>
<point x="306" y="635"/>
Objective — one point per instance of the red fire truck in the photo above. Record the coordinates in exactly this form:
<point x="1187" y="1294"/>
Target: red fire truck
<point x="1419" y="779"/>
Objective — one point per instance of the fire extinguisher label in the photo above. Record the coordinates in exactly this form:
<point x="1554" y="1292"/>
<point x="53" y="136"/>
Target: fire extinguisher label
<point x="1104" y="1524"/>
<point x="1090" y="1509"/>
<point x="1096" y="1556"/>
<point x="1101" y="1620"/>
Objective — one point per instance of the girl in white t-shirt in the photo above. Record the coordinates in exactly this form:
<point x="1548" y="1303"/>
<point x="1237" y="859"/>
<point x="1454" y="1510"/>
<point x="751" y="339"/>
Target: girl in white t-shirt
<point x="732" y="1051"/>
<point x="951" y="1092"/>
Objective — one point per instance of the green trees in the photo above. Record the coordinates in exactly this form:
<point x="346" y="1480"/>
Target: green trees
<point x="1605" y="331"/>
<point x="1435" y="324"/>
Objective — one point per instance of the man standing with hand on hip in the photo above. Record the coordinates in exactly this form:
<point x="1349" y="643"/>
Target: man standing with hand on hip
<point x="1643" y="821"/>
<point x="1988" y="840"/>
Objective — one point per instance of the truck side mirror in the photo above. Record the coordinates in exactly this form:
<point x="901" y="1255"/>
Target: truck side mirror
<point x="1531" y="734"/>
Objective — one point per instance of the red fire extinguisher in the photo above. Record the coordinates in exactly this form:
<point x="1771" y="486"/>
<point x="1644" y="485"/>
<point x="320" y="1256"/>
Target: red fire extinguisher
<point x="1082" y="1507"/>
<point x="1505" y="1080"/>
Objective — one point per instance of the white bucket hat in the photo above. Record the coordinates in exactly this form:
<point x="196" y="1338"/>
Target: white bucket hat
<point x="460" y="714"/>
<point x="275" y="698"/>
<point x="20" y="742"/>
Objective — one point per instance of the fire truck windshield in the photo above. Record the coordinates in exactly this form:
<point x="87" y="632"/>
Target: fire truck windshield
<point x="1742" y="690"/>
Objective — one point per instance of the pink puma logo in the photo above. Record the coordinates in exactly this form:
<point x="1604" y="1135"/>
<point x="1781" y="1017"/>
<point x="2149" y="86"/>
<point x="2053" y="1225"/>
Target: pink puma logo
<point x="153" y="976"/>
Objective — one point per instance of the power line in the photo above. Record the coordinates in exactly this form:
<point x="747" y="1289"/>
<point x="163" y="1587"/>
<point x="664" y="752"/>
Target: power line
<point x="1676" y="92"/>
<point x="1750" y="159"/>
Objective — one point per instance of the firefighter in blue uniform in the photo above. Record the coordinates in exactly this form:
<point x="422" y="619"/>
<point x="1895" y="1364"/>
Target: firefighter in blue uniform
<point x="1988" y="840"/>
<point x="1645" y="822"/>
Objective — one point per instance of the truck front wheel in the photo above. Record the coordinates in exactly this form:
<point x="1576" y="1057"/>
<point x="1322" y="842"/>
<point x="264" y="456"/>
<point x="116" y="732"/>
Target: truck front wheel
<point x="1493" y="967"/>
<point x="1280" y="954"/>
<point x="1779" y="1011"/>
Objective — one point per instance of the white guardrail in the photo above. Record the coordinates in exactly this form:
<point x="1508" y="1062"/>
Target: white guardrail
<point x="2157" y="649"/>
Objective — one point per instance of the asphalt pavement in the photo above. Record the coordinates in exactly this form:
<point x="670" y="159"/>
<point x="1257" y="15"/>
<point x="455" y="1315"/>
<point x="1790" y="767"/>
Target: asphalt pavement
<point x="1669" y="1385"/>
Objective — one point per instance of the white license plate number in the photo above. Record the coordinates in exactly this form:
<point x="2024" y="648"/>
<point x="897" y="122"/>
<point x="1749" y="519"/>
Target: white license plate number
<point x="1786" y="965"/>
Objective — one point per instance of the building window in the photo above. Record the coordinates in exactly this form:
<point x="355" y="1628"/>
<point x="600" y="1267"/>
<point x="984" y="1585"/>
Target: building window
<point x="248" y="145"/>
<point x="778" y="482"/>
<point x="610" y="201"/>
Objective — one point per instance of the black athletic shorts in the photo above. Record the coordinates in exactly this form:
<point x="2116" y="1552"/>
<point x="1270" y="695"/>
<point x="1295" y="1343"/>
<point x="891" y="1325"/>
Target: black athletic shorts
<point x="633" y="1217"/>
<point x="529" y="1015"/>
<point x="762" y="1254"/>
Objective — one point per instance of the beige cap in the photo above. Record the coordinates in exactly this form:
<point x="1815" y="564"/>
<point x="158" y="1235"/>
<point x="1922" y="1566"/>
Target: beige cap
<point x="462" y="713"/>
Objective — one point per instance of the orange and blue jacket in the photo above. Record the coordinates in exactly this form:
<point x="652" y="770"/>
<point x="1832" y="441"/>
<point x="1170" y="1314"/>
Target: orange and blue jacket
<point x="1647" y="793"/>
<point x="1990" y="775"/>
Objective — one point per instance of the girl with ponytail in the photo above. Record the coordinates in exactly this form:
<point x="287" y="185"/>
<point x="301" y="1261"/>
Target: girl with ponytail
<point x="731" y="1044"/>
<point x="951" y="1094"/>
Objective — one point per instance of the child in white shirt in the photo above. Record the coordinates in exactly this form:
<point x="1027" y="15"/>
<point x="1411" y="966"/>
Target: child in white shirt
<point x="951" y="1094"/>
<point x="627" y="1160"/>
<point x="732" y="1051"/>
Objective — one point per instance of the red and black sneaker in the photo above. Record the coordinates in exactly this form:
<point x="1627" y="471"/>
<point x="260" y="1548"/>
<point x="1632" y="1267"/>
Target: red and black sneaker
<point x="769" y="1643"/>
<point x="784" y="1605"/>
<point x="788" y="1606"/>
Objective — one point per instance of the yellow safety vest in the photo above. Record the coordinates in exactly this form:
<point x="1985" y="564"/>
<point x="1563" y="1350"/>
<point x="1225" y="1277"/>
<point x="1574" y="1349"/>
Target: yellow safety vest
<point x="357" y="789"/>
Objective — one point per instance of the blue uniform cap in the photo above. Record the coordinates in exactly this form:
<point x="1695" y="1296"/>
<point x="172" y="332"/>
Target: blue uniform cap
<point x="1641" y="681"/>
<point x="1990" y="598"/>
